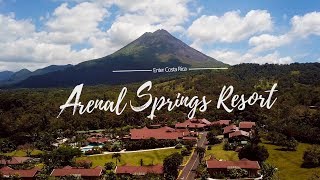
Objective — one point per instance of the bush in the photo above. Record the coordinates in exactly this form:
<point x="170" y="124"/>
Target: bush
<point x="109" y="165"/>
<point x="268" y="171"/>
<point x="281" y="140"/>
<point x="229" y="146"/>
<point x="209" y="147"/>
<point x="178" y="146"/>
<point x="212" y="139"/>
<point x="254" y="153"/>
<point x="148" y="144"/>
<point x="188" y="147"/>
<point x="185" y="152"/>
<point x="237" y="173"/>
<point x="190" y="143"/>
<point x="311" y="157"/>
<point x="171" y="165"/>
<point x="83" y="163"/>
<point x="94" y="150"/>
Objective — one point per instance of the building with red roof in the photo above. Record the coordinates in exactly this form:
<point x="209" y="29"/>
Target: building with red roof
<point x="215" y="167"/>
<point x="15" y="160"/>
<point x="229" y="129"/>
<point x="30" y="174"/>
<point x="199" y="124"/>
<point x="239" y="136"/>
<point x="97" y="140"/>
<point x="160" y="133"/>
<point x="87" y="174"/>
<point x="246" y="125"/>
<point x="221" y="123"/>
<point x="139" y="170"/>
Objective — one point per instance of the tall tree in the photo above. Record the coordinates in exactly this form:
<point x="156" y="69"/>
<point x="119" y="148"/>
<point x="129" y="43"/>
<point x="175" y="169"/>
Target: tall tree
<point x="200" y="151"/>
<point x="116" y="156"/>
<point x="171" y="165"/>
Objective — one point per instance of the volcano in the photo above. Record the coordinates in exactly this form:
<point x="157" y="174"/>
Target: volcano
<point x="151" y="50"/>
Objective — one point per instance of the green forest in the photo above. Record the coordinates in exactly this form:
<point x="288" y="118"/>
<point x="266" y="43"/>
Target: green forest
<point x="30" y="115"/>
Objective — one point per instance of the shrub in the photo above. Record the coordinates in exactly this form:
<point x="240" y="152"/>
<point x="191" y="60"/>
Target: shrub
<point x="94" y="150"/>
<point x="229" y="146"/>
<point x="83" y="163"/>
<point x="311" y="157"/>
<point x="237" y="173"/>
<point x="185" y="152"/>
<point x="254" y="153"/>
<point x="178" y="146"/>
<point x="109" y="165"/>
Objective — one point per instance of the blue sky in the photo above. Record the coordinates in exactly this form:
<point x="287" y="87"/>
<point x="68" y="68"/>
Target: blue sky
<point x="38" y="33"/>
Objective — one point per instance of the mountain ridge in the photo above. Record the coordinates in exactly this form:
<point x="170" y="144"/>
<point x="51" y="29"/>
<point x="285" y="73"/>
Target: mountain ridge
<point x="157" y="49"/>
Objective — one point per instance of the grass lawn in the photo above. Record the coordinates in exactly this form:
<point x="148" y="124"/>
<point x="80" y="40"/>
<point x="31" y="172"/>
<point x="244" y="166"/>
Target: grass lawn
<point x="149" y="157"/>
<point x="289" y="162"/>
<point x="218" y="152"/>
<point x="20" y="153"/>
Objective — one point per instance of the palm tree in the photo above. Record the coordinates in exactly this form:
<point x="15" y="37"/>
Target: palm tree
<point x="200" y="151"/>
<point x="117" y="156"/>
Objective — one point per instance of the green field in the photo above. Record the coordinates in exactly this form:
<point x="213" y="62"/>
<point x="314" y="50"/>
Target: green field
<point x="149" y="157"/>
<point x="20" y="153"/>
<point x="289" y="162"/>
<point x="218" y="152"/>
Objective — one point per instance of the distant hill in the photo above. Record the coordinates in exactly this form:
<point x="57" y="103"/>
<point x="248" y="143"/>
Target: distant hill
<point x="5" y="75"/>
<point x="151" y="50"/>
<point x="25" y="73"/>
<point x="19" y="76"/>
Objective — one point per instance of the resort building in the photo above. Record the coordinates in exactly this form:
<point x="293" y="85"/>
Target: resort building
<point x="86" y="174"/>
<point x="7" y="173"/>
<point x="216" y="167"/>
<point x="139" y="170"/>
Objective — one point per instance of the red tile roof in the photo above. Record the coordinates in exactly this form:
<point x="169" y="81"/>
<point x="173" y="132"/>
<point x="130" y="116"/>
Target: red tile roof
<point x="193" y="123"/>
<point x="246" y="125"/>
<point x="205" y="121"/>
<point x="97" y="139"/>
<point x="15" y="160"/>
<point x="139" y="170"/>
<point x="160" y="133"/>
<point x="229" y="129"/>
<point x="238" y="133"/>
<point x="7" y="171"/>
<point x="244" y="164"/>
<point x="221" y="122"/>
<point x="68" y="170"/>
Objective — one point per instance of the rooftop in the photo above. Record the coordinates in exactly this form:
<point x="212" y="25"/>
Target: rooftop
<point x="160" y="133"/>
<point x="7" y="171"/>
<point x="139" y="170"/>
<point x="68" y="170"/>
<point x="243" y="163"/>
<point x="15" y="160"/>
<point x="246" y="125"/>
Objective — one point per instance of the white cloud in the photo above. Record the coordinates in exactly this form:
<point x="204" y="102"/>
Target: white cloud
<point x="232" y="57"/>
<point x="75" y="24"/>
<point x="306" y="25"/>
<point x="301" y="27"/>
<point x="12" y="29"/>
<point x="22" y="45"/>
<point x="230" y="27"/>
<point x="267" y="41"/>
<point x="141" y="16"/>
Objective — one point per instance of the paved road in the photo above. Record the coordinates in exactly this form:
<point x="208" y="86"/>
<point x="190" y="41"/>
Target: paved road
<point x="188" y="171"/>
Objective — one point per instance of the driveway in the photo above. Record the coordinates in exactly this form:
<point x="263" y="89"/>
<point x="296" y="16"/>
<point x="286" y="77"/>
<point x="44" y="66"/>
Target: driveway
<point x="188" y="171"/>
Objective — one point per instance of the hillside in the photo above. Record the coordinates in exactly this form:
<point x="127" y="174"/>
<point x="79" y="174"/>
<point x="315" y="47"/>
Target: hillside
<point x="16" y="77"/>
<point x="152" y="50"/>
